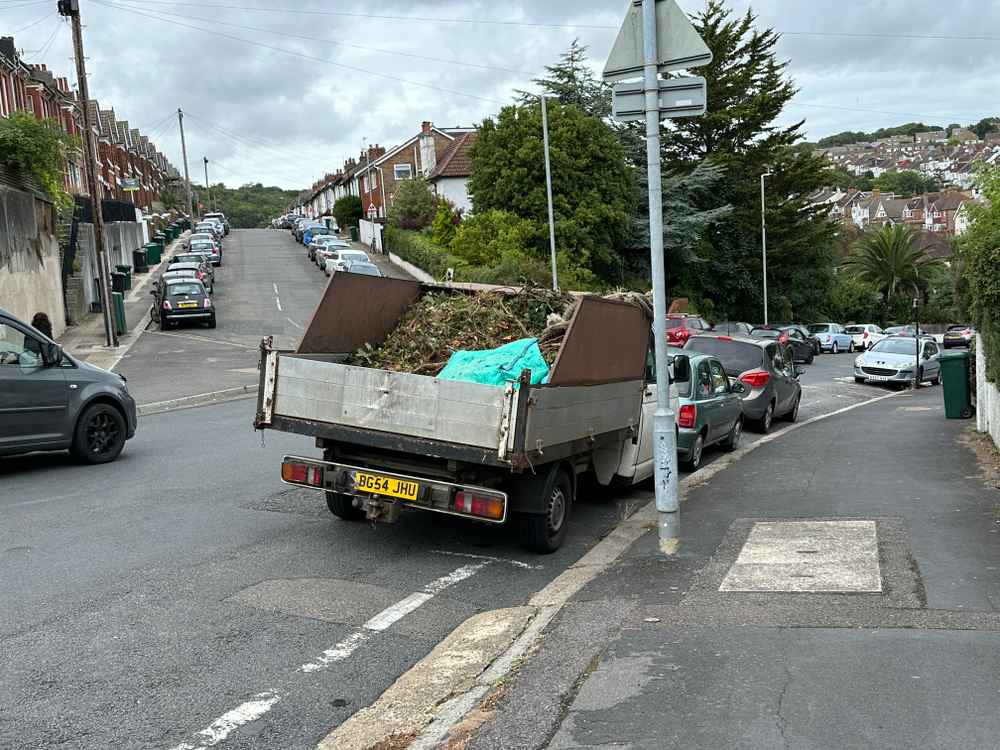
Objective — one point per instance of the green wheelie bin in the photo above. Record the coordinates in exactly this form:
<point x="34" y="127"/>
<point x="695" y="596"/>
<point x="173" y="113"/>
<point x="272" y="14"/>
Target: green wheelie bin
<point x="955" y="379"/>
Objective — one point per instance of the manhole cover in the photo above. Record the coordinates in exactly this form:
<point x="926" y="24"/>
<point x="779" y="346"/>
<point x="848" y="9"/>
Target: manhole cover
<point x="808" y="556"/>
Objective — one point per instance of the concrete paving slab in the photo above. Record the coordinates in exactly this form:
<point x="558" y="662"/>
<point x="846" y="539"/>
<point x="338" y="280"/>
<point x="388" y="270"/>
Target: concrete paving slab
<point x="817" y="556"/>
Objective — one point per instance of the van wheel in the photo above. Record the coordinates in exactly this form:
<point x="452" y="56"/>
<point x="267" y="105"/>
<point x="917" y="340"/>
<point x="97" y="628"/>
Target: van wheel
<point x="100" y="434"/>
<point x="545" y="532"/>
<point x="342" y="506"/>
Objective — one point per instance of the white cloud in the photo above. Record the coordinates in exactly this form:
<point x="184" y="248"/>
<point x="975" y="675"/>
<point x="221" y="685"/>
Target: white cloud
<point x="288" y="119"/>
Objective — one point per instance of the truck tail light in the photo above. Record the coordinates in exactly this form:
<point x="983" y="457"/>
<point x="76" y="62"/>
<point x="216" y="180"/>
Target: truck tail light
<point x="756" y="378"/>
<point x="687" y="415"/>
<point x="298" y="472"/>
<point x="476" y="504"/>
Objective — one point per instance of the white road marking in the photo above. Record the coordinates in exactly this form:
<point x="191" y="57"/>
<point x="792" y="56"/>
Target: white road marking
<point x="222" y="727"/>
<point x="515" y="563"/>
<point x="278" y="303"/>
<point x="295" y="324"/>
<point x="275" y="289"/>
<point x="206" y="339"/>
<point x="390" y="616"/>
<point x="41" y="500"/>
<point x="277" y="297"/>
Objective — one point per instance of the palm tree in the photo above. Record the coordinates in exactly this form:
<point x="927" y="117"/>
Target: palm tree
<point x="891" y="260"/>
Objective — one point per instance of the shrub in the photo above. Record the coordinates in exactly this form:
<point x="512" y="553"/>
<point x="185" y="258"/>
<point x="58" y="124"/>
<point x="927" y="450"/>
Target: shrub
<point x="421" y="251"/>
<point x="414" y="205"/>
<point x="348" y="211"/>
<point x="446" y="222"/>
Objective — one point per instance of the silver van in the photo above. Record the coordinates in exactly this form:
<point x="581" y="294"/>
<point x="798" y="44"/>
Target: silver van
<point x="51" y="401"/>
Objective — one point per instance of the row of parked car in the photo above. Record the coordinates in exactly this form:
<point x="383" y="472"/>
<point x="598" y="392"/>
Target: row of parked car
<point x="183" y="293"/>
<point x="733" y="374"/>
<point x="328" y="250"/>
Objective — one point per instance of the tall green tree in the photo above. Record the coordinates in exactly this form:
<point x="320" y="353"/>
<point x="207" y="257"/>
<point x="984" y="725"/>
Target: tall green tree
<point x="572" y="81"/>
<point x="906" y="182"/>
<point x="594" y="192"/>
<point x="748" y="89"/>
<point x="891" y="261"/>
<point x="249" y="206"/>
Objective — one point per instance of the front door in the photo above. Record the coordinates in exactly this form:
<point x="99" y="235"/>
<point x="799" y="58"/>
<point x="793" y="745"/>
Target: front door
<point x="33" y="396"/>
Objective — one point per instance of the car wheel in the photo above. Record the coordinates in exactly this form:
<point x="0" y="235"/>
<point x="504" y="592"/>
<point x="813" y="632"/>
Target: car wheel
<point x="545" y="532"/>
<point x="764" y="423"/>
<point x="810" y="358"/>
<point x="164" y="324"/>
<point x="793" y="415"/>
<point x="100" y="434"/>
<point x="850" y="348"/>
<point x="342" y="506"/>
<point x="693" y="460"/>
<point x="732" y="442"/>
<point x="936" y="380"/>
<point x="211" y="322"/>
<point x="834" y="349"/>
<point x="859" y="380"/>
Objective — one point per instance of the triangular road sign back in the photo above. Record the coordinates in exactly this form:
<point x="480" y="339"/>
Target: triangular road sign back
<point x="677" y="43"/>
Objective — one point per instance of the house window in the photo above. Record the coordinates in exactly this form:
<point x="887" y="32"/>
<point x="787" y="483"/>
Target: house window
<point x="403" y="171"/>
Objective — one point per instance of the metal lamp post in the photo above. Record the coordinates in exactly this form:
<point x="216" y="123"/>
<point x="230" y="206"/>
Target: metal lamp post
<point x="763" y="237"/>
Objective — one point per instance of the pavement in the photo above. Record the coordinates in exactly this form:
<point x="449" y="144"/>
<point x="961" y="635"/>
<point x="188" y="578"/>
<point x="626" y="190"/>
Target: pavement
<point x="88" y="341"/>
<point x="838" y="588"/>
<point x="184" y="598"/>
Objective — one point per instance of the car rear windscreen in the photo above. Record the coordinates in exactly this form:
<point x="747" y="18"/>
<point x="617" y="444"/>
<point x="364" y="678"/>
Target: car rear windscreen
<point x="736" y="356"/>
<point x="682" y="375"/>
<point x="820" y="328"/>
<point x="855" y="329"/>
<point x="177" y="289"/>
<point x="765" y="333"/>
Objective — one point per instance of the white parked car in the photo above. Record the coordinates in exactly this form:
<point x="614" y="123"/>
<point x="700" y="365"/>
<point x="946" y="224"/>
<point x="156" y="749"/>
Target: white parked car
<point x="343" y="259"/>
<point x="865" y="335"/>
<point x="324" y="241"/>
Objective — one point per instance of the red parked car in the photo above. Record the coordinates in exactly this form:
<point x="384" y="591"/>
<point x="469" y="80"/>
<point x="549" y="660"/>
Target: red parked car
<point x="681" y="327"/>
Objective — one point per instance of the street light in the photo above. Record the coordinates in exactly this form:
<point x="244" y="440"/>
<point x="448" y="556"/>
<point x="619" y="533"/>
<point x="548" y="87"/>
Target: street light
<point x="763" y="237"/>
<point x="548" y="192"/>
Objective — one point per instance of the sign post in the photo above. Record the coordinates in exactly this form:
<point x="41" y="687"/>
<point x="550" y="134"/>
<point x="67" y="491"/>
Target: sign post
<point x="657" y="37"/>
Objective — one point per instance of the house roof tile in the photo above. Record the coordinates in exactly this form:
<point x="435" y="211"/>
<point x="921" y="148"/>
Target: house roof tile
<point x="456" y="160"/>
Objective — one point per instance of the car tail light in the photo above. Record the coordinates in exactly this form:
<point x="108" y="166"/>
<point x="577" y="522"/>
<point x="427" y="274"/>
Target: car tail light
<point x="167" y="305"/>
<point x="864" y="335"/>
<point x="967" y="332"/>
<point x="298" y="472"/>
<point x="756" y="378"/>
<point x="687" y="416"/>
<point x="208" y="302"/>
<point x="200" y="275"/>
<point x="724" y="338"/>
<point x="477" y="504"/>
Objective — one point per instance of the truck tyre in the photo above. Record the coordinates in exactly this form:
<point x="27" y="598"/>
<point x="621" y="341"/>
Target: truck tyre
<point x="99" y="436"/>
<point x="342" y="506"/>
<point x="545" y="532"/>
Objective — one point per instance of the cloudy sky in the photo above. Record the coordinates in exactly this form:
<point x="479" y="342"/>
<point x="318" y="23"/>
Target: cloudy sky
<point x="282" y="91"/>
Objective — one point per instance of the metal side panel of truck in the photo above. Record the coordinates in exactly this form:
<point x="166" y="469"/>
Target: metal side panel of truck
<point x="397" y="440"/>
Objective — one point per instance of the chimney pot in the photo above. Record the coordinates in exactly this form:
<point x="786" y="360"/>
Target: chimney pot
<point x="425" y="127"/>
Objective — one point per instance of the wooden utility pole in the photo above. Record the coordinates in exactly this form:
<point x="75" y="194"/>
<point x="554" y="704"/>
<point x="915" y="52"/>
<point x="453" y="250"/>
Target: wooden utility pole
<point x="71" y="8"/>
<point x="208" y="188"/>
<point x="187" y="178"/>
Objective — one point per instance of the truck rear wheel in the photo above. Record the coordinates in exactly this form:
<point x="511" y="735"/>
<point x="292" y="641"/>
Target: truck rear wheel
<point x="342" y="506"/>
<point x="545" y="532"/>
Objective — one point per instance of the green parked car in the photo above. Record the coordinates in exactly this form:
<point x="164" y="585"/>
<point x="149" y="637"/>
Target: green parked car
<point x="709" y="405"/>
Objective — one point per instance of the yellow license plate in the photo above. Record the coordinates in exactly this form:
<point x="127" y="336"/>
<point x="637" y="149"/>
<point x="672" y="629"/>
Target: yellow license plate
<point x="187" y="304"/>
<point x="379" y="485"/>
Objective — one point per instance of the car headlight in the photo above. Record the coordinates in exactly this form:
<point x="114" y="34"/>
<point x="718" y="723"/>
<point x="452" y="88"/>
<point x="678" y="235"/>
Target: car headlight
<point x="858" y="362"/>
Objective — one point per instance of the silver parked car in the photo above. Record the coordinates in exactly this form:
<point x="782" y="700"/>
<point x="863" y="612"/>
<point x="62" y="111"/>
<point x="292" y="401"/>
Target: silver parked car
<point x="832" y="337"/>
<point x="50" y="400"/>
<point x="766" y="366"/>
<point x="893" y="359"/>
